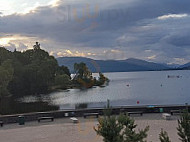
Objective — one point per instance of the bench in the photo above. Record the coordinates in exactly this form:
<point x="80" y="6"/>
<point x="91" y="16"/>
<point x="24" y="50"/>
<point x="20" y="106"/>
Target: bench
<point x="175" y="111"/>
<point x="91" y="114"/>
<point x="135" y="112"/>
<point x="1" y="123"/>
<point x="75" y="120"/>
<point x="45" y="118"/>
<point x="166" y="116"/>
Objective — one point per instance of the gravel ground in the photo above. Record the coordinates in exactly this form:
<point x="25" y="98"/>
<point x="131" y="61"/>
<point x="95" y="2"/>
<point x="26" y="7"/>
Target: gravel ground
<point x="63" y="130"/>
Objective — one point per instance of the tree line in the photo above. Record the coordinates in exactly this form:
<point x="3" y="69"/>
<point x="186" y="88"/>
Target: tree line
<point x="34" y="72"/>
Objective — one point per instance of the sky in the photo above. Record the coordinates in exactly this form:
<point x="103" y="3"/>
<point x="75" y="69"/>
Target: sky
<point x="152" y="30"/>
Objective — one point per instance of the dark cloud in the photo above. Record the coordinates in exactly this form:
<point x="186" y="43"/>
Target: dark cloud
<point x="180" y="40"/>
<point x="128" y="25"/>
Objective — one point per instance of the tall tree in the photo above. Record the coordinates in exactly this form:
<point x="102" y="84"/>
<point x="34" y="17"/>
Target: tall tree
<point x="5" y="55"/>
<point x="83" y="76"/>
<point x="184" y="127"/>
<point x="35" y="72"/>
<point x="119" y="129"/>
<point x="63" y="70"/>
<point x="108" y="126"/>
<point x="6" y="75"/>
<point x="62" y="81"/>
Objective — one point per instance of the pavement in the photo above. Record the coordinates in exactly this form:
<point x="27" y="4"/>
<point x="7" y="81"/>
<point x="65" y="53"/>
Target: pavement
<point x="63" y="130"/>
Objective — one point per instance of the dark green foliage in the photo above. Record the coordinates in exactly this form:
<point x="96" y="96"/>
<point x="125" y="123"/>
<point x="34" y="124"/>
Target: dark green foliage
<point x="163" y="136"/>
<point x="36" y="72"/>
<point x="82" y="71"/>
<point x="62" y="81"/>
<point x="119" y="129"/>
<point x="63" y="70"/>
<point x="184" y="127"/>
<point x="83" y="76"/>
<point x="33" y="72"/>
<point x="5" y="55"/>
<point x="130" y="134"/>
<point x="108" y="127"/>
<point x="6" y="75"/>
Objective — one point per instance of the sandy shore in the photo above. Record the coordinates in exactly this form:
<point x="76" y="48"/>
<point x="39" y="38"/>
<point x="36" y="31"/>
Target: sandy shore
<point x="63" y="130"/>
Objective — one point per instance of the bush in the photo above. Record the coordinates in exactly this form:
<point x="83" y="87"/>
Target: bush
<point x="119" y="129"/>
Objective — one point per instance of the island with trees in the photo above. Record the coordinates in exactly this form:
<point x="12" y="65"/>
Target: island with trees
<point x="35" y="72"/>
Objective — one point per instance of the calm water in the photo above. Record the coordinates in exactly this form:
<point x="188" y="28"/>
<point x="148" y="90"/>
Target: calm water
<point x="149" y="88"/>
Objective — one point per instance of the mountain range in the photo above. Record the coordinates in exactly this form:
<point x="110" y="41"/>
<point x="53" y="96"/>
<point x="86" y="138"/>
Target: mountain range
<point x="185" y="66"/>
<point x="127" y="65"/>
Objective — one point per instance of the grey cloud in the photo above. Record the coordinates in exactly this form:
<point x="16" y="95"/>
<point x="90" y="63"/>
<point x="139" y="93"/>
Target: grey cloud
<point x="135" y="19"/>
<point x="180" y="40"/>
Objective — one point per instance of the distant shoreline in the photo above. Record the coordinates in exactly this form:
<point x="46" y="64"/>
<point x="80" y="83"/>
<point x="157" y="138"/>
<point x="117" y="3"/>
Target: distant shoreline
<point x="148" y="70"/>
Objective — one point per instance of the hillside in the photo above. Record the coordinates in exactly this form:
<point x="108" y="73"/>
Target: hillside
<point x="112" y="65"/>
<point x="185" y="66"/>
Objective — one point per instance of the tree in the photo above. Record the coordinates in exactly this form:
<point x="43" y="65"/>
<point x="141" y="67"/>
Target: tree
<point x="63" y="70"/>
<point x="17" y="86"/>
<point x="6" y="75"/>
<point x="5" y="55"/>
<point x="184" y="127"/>
<point x="129" y="133"/>
<point x="40" y="73"/>
<point x="163" y="136"/>
<point x="83" y="76"/>
<point x="119" y="129"/>
<point x="82" y="70"/>
<point x="62" y="81"/>
<point x="36" y="46"/>
<point x="102" y="79"/>
<point x="108" y="127"/>
<point x="35" y="72"/>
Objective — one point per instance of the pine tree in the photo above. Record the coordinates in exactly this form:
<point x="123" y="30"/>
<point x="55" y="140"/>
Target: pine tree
<point x="119" y="129"/>
<point x="108" y="127"/>
<point x="184" y="127"/>
<point x="163" y="136"/>
<point x="129" y="133"/>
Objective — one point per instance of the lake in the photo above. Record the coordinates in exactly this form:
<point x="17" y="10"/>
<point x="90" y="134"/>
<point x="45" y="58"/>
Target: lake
<point x="131" y="88"/>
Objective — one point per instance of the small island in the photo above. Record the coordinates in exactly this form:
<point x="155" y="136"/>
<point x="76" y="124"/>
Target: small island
<point x="35" y="72"/>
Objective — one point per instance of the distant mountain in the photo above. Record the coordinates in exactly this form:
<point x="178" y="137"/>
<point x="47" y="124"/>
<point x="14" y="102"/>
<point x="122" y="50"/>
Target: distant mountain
<point x="185" y="65"/>
<point x="172" y="66"/>
<point x="112" y="65"/>
<point x="70" y="61"/>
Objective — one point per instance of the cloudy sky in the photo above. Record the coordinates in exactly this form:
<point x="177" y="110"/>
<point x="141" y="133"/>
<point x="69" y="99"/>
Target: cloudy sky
<point x="152" y="30"/>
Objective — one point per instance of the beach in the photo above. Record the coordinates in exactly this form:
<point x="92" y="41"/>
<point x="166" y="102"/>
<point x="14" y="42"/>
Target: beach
<point x="63" y="130"/>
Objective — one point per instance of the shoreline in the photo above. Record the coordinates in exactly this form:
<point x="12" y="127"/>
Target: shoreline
<point x="33" y="116"/>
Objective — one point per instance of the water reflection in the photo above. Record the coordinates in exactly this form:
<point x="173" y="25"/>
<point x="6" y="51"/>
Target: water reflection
<point x="10" y="105"/>
<point x="128" y="88"/>
<point x="149" y="88"/>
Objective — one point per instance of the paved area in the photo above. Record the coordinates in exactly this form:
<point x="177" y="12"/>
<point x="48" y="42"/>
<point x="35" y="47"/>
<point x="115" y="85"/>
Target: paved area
<point x="63" y="130"/>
